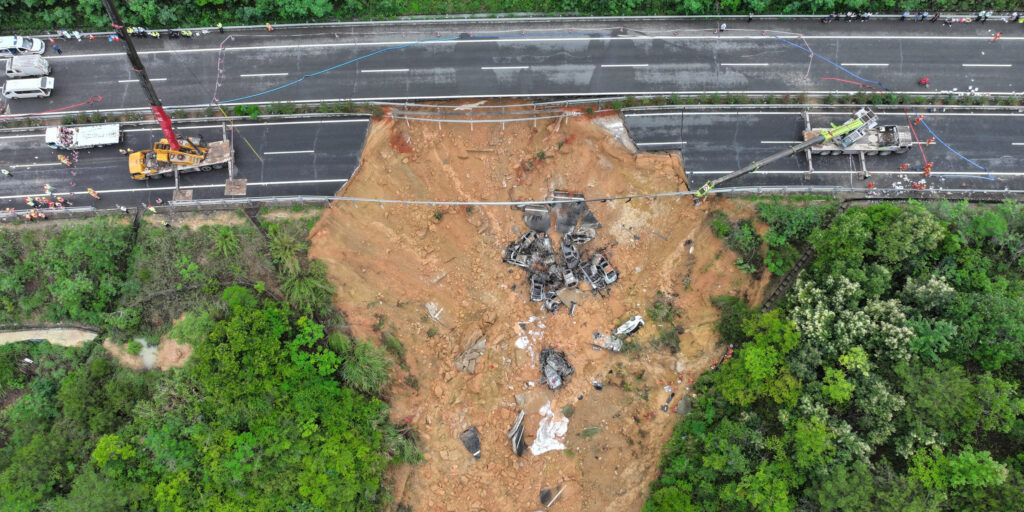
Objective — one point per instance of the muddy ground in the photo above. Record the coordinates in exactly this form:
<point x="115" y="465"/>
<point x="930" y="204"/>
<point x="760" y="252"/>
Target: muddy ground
<point x="389" y="261"/>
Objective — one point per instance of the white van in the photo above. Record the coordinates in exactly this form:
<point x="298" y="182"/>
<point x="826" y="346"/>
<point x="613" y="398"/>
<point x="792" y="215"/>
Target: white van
<point x="17" y="45"/>
<point x="28" y="88"/>
<point x="27" y="65"/>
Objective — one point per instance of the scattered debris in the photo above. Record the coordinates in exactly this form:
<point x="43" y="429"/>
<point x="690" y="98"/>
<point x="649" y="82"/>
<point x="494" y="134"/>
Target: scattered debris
<point x="554" y="367"/>
<point x="548" y="497"/>
<point x="598" y="385"/>
<point x="466" y="361"/>
<point x="471" y="440"/>
<point x="515" y="435"/>
<point x="434" y="311"/>
<point x="670" y="397"/>
<point x="549" y="431"/>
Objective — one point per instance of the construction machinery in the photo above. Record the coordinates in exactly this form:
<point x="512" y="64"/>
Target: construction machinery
<point x="194" y="154"/>
<point x="173" y="154"/>
<point x="860" y="135"/>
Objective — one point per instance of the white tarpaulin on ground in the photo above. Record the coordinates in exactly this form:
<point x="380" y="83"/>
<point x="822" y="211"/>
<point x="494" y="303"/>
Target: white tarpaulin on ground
<point x="549" y="431"/>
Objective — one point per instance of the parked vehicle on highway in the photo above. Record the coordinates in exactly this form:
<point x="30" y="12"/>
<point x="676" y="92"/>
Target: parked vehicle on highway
<point x="28" y="88"/>
<point x="17" y="45"/>
<point x="83" y="137"/>
<point x="23" y="66"/>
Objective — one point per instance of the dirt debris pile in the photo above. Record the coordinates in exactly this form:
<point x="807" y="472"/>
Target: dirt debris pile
<point x="390" y="262"/>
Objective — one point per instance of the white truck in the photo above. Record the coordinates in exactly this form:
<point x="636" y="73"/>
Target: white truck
<point x="83" y="137"/>
<point x="26" y="66"/>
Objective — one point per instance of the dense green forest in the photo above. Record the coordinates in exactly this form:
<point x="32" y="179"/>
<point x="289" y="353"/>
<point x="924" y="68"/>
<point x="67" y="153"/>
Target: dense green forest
<point x="105" y="274"/>
<point x="51" y="14"/>
<point x="888" y="379"/>
<point x="275" y="410"/>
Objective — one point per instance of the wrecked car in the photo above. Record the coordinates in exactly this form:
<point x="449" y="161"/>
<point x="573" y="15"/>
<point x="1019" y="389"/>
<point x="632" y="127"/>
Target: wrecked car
<point x="555" y="368"/>
<point x="593" y="276"/>
<point x="570" y="255"/>
<point x="536" y="288"/>
<point x="579" y="236"/>
<point x="608" y="274"/>
<point x="569" y="278"/>
<point x="632" y="325"/>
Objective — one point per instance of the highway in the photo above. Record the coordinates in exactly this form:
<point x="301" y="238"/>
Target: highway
<point x="718" y="141"/>
<point x="550" y="58"/>
<point x="540" y="59"/>
<point x="311" y="157"/>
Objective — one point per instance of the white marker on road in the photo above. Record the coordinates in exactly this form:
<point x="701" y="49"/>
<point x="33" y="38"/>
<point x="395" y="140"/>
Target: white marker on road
<point x="504" y="67"/>
<point x="35" y="165"/>
<point x="136" y="80"/>
<point x="262" y="74"/>
<point x="759" y="64"/>
<point x="288" y="152"/>
<point x="1017" y="143"/>
<point x="403" y="70"/>
<point x="862" y="64"/>
<point x="675" y="142"/>
<point x="987" y="65"/>
<point x="623" y="65"/>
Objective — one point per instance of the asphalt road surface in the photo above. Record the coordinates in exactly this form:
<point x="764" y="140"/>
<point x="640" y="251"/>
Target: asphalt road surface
<point x="294" y="158"/>
<point x="717" y="142"/>
<point x="540" y="59"/>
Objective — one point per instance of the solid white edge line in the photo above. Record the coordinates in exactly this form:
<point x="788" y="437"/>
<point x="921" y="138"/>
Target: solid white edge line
<point x="659" y="143"/>
<point x="952" y="173"/>
<point x="269" y="123"/>
<point x="623" y="65"/>
<point x="34" y="165"/>
<point x="288" y="152"/>
<point x="22" y="136"/>
<point x="524" y="40"/>
<point x="401" y="70"/>
<point x="261" y="74"/>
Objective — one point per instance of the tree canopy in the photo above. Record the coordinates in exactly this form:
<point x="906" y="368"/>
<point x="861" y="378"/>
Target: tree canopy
<point x="888" y="379"/>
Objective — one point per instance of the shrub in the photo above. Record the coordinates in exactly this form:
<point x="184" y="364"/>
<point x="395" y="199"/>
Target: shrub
<point x="667" y="339"/>
<point x="133" y="347"/>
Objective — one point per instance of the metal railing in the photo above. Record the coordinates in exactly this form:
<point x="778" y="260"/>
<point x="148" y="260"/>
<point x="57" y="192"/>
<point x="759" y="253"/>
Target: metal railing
<point x="847" y="193"/>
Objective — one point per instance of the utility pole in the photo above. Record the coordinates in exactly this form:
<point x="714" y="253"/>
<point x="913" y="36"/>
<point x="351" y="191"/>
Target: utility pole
<point x="140" y="70"/>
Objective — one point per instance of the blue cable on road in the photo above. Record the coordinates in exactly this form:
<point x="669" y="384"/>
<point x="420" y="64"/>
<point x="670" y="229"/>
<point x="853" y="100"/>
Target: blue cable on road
<point x="332" y="68"/>
<point x="847" y="71"/>
<point x="957" y="153"/>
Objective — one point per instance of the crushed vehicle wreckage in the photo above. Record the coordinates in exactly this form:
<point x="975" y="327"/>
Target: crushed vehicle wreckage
<point x="550" y="271"/>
